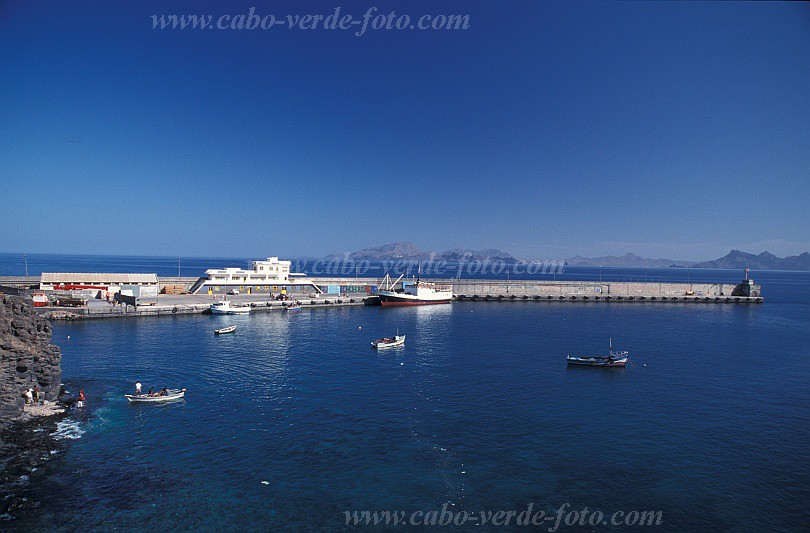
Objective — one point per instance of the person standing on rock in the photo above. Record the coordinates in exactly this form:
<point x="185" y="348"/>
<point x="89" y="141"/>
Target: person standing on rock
<point x="80" y="403"/>
<point x="36" y="393"/>
<point x="29" y="396"/>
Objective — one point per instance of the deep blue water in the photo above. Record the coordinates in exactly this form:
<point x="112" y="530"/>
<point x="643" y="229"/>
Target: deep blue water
<point x="294" y="420"/>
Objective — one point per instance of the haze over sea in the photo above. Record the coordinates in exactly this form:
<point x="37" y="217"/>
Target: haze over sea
<point x="294" y="420"/>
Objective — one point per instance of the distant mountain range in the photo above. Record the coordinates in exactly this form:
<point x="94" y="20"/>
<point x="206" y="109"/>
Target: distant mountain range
<point x="763" y="261"/>
<point x="408" y="251"/>
<point x="736" y="259"/>
<point x="626" y="260"/>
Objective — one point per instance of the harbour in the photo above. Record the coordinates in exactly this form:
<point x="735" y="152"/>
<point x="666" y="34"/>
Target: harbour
<point x="457" y="414"/>
<point x="99" y="295"/>
<point x="462" y="266"/>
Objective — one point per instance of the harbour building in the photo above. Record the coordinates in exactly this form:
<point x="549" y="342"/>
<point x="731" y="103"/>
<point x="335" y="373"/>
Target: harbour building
<point x="267" y="276"/>
<point x="273" y="277"/>
<point x="100" y="285"/>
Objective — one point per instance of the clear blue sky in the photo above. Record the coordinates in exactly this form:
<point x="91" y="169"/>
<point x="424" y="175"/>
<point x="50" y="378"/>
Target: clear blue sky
<point x="545" y="129"/>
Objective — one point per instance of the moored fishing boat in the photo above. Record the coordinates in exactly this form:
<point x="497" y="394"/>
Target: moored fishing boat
<point x="223" y="331"/>
<point x="414" y="293"/>
<point x="389" y="342"/>
<point x="171" y="395"/>
<point x="224" y="307"/>
<point x="613" y="359"/>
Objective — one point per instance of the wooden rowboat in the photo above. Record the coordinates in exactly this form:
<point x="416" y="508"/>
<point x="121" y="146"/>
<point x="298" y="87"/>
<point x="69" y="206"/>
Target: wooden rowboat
<point x="174" y="394"/>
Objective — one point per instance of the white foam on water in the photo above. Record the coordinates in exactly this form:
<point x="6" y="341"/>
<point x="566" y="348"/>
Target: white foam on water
<point x="68" y="429"/>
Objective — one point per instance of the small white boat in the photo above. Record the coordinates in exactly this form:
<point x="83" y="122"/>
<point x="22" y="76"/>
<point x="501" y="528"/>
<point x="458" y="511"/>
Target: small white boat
<point x="222" y="331"/>
<point x="225" y="308"/>
<point x="173" y="394"/>
<point x="389" y="342"/>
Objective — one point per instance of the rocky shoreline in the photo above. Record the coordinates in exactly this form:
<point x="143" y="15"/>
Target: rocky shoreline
<point x="28" y="443"/>
<point x="27" y="447"/>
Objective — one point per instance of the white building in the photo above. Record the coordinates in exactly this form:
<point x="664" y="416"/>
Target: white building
<point x="271" y="275"/>
<point x="99" y="285"/>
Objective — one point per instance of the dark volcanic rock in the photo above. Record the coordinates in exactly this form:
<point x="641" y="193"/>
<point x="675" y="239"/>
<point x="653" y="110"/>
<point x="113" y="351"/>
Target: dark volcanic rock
<point x="27" y="357"/>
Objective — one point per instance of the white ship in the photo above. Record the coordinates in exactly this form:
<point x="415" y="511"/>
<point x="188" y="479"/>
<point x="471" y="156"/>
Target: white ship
<point x="415" y="293"/>
<point x="224" y="307"/>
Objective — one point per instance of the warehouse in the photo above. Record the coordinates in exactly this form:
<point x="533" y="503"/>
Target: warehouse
<point x="98" y="285"/>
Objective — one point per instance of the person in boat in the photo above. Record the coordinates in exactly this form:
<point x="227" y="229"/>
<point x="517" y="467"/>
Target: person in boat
<point x="151" y="392"/>
<point x="164" y="392"/>
<point x="138" y="388"/>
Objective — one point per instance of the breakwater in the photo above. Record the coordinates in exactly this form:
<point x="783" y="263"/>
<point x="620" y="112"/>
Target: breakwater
<point x="474" y="289"/>
<point x="465" y="290"/>
<point x="614" y="291"/>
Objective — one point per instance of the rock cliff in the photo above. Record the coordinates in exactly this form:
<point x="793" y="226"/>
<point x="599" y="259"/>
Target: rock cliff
<point x="27" y="357"/>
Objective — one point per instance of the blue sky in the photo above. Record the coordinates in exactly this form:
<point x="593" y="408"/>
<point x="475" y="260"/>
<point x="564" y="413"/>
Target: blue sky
<point x="668" y="129"/>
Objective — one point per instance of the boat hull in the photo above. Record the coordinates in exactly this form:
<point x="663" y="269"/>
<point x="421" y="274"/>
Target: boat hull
<point x="231" y="311"/>
<point x="392" y="298"/>
<point x="595" y="361"/>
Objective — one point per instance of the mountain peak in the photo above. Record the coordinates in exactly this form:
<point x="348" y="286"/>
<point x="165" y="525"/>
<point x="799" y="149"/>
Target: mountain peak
<point x="626" y="260"/>
<point x="737" y="259"/>
<point x="408" y="251"/>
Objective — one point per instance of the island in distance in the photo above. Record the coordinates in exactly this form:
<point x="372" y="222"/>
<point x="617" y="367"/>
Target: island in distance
<point x="627" y="260"/>
<point x="764" y="261"/>
<point x="408" y="251"/>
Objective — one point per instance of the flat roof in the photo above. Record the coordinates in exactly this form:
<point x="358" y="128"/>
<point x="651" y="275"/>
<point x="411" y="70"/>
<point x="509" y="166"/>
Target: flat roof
<point x="93" y="277"/>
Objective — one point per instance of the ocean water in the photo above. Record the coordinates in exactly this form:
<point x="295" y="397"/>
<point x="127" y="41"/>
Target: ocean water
<point x="294" y="420"/>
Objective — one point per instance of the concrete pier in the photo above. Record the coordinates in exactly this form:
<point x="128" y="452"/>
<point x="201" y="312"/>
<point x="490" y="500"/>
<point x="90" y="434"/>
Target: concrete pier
<point x="187" y="304"/>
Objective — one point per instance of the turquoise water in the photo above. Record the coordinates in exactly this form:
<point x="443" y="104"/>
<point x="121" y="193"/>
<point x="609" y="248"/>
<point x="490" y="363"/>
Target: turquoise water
<point x="294" y="420"/>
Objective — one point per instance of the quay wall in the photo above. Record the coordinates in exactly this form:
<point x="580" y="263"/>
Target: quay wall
<point x="469" y="288"/>
<point x="177" y="308"/>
